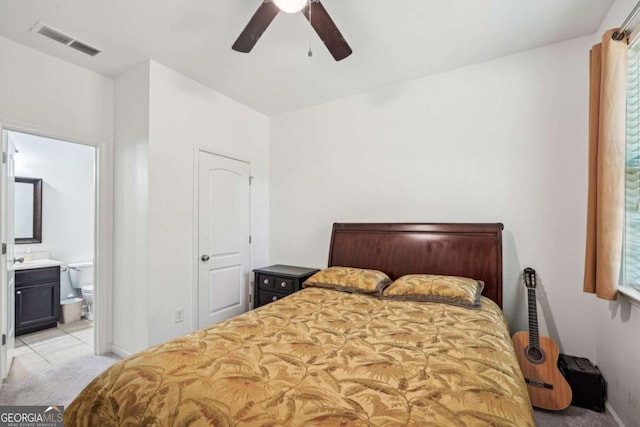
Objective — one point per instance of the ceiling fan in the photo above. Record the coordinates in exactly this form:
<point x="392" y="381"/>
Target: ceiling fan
<point x="313" y="10"/>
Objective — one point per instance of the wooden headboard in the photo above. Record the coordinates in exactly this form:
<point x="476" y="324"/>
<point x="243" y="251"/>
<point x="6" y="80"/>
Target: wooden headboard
<point x="468" y="250"/>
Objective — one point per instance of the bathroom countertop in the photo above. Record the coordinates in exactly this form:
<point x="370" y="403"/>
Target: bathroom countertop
<point x="37" y="263"/>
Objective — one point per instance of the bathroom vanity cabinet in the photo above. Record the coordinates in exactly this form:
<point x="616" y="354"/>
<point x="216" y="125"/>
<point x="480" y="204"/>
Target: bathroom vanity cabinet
<point x="37" y="299"/>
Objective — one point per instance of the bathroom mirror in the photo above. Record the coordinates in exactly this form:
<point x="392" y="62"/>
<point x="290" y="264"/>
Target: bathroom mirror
<point x="28" y="210"/>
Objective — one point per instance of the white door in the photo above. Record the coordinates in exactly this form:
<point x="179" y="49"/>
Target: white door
<point x="223" y="238"/>
<point x="7" y="275"/>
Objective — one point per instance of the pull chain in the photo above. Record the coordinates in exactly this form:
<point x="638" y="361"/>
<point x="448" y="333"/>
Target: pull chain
<point x="310" y="53"/>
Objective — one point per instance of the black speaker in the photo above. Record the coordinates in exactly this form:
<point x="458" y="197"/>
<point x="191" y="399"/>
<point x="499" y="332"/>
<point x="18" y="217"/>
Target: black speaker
<point x="588" y="387"/>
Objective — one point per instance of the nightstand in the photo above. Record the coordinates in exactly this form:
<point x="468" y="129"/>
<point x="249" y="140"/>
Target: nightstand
<point x="277" y="281"/>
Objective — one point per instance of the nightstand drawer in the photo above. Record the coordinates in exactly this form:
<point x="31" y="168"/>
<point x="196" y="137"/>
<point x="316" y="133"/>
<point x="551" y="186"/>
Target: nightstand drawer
<point x="283" y="284"/>
<point x="277" y="281"/>
<point x="266" y="282"/>
<point x="266" y="297"/>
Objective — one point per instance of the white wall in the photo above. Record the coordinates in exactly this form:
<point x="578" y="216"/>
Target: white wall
<point x="68" y="197"/>
<point x="501" y="141"/>
<point x="131" y="211"/>
<point x="185" y="114"/>
<point x="161" y="117"/>
<point x="43" y="94"/>
<point x="617" y="323"/>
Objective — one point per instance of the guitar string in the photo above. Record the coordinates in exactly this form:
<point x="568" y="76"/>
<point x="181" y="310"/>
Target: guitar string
<point x="534" y="338"/>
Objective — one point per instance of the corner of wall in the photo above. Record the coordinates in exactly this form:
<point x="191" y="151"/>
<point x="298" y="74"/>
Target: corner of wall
<point x="130" y="225"/>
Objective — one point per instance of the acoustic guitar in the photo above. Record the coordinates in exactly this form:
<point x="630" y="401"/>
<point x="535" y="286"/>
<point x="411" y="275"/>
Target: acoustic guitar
<point x="538" y="358"/>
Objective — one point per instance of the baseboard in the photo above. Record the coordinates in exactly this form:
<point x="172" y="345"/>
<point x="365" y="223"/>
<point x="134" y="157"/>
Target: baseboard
<point x="613" y="414"/>
<point x="124" y="354"/>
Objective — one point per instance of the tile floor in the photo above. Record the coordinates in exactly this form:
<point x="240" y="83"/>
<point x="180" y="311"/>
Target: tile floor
<point x="42" y="349"/>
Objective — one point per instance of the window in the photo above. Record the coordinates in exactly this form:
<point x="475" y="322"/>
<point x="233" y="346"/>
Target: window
<point x="631" y="281"/>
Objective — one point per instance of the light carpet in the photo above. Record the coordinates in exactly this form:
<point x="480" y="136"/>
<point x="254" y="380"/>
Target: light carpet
<point x="60" y="384"/>
<point x="56" y="385"/>
<point x="573" y="416"/>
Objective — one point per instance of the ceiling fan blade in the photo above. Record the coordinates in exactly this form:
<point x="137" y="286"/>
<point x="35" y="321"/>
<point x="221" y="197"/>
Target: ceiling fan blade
<point x="327" y="30"/>
<point x="256" y="26"/>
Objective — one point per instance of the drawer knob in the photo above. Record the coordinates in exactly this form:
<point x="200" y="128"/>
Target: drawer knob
<point x="274" y="298"/>
<point x="283" y="284"/>
<point x="265" y="281"/>
<point x="18" y="292"/>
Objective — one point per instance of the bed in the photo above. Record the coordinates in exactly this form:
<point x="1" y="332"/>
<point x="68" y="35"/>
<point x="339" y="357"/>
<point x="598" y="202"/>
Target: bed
<point x="324" y="357"/>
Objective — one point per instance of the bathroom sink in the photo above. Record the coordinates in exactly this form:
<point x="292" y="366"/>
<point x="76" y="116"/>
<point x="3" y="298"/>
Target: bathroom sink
<point x="36" y="263"/>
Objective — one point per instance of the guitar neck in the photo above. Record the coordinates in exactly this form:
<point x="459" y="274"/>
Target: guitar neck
<point x="534" y="338"/>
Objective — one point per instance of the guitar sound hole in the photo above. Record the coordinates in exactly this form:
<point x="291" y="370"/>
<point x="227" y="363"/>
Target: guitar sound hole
<point x="535" y="355"/>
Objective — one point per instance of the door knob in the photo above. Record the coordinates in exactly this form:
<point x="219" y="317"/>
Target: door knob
<point x="18" y="292"/>
<point x="204" y="258"/>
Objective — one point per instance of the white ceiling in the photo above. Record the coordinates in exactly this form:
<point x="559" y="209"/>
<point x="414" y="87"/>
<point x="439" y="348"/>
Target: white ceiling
<point x="393" y="41"/>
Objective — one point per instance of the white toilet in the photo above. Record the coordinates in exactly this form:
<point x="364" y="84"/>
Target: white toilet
<point x="81" y="277"/>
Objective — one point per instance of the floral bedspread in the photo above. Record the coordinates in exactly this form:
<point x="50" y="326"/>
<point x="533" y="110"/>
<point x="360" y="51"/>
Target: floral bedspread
<point x="321" y="357"/>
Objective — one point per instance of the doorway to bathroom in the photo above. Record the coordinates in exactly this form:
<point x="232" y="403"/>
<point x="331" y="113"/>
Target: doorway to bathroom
<point x="50" y="222"/>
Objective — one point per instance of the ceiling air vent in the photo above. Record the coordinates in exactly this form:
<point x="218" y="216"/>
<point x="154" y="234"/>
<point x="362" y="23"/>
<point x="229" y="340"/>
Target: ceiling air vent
<point x="84" y="48"/>
<point x="54" y="35"/>
<point x="65" y="39"/>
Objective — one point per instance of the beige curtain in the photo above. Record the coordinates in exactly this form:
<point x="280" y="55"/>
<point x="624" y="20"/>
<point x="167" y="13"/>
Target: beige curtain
<point x="605" y="210"/>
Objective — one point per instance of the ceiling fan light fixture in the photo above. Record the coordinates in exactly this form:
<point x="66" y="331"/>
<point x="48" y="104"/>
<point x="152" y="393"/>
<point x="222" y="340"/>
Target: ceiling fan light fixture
<point x="290" y="6"/>
<point x="321" y="23"/>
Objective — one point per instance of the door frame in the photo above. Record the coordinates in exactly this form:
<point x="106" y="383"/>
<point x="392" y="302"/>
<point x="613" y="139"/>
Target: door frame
<point x="8" y="295"/>
<point x="102" y="228"/>
<point x="197" y="149"/>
